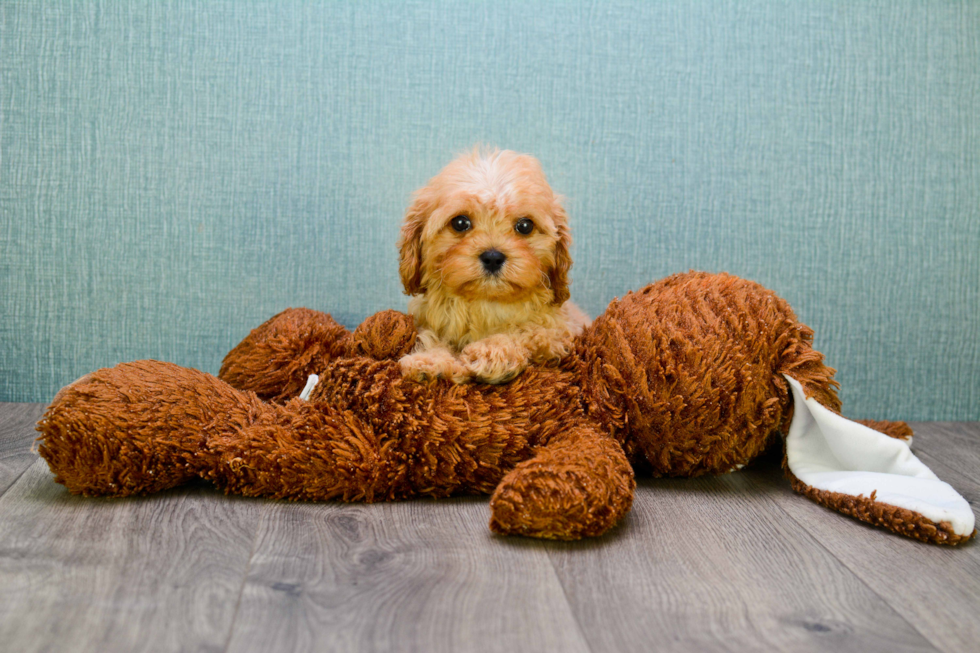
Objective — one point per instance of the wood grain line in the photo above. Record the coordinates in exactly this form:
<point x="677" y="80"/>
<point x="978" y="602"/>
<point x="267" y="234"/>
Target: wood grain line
<point x="934" y="588"/>
<point x="16" y="436"/>
<point x="708" y="564"/>
<point x="735" y="562"/>
<point x="142" y="574"/>
<point x="413" y="576"/>
<point x="956" y="445"/>
<point x="241" y="587"/>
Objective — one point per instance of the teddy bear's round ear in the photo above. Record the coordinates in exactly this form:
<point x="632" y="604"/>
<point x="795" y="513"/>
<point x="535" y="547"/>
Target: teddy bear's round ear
<point x="410" y="245"/>
<point x="385" y="335"/>
<point x="687" y="370"/>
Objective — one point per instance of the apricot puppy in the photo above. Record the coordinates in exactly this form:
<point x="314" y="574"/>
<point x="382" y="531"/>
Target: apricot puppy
<point x="484" y="253"/>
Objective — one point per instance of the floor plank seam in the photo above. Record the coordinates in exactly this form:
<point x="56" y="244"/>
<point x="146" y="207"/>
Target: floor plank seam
<point x="248" y="570"/>
<point x="936" y="647"/>
<point x="571" y="610"/>
<point x="19" y="476"/>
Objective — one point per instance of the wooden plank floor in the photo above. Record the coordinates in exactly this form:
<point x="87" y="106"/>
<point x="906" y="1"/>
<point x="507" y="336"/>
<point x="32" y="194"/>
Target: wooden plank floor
<point x="731" y="563"/>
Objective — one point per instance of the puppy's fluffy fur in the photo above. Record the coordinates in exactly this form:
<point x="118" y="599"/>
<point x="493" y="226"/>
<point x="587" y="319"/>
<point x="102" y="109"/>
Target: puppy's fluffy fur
<point x="475" y="322"/>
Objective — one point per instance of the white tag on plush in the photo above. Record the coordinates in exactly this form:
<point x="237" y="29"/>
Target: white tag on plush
<point x="311" y="382"/>
<point x="829" y="452"/>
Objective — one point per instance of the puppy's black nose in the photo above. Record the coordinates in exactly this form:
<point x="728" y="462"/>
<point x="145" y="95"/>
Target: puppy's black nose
<point x="492" y="260"/>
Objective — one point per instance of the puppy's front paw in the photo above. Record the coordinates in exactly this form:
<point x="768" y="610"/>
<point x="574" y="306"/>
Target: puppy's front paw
<point x="496" y="359"/>
<point x="433" y="364"/>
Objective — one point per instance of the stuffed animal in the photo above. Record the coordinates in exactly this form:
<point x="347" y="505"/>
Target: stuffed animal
<point x="695" y="374"/>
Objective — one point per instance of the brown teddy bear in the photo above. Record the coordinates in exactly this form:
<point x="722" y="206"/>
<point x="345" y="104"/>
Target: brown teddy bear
<point x="695" y="374"/>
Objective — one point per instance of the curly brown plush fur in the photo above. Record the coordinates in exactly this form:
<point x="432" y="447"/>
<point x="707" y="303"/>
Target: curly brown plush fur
<point x="682" y="378"/>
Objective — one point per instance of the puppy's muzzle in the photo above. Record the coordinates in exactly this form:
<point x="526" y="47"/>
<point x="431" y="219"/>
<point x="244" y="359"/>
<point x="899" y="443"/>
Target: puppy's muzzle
<point x="492" y="261"/>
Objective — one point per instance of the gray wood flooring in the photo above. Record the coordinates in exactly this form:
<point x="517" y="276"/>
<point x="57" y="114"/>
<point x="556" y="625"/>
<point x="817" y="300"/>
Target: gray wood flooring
<point x="730" y="563"/>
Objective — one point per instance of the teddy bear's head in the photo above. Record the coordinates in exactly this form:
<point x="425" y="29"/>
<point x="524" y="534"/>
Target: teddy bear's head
<point x="687" y="371"/>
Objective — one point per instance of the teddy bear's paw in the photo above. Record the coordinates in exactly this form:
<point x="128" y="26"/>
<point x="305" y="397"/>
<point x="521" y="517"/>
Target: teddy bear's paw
<point x="496" y="359"/>
<point x="433" y="364"/>
<point x="538" y="500"/>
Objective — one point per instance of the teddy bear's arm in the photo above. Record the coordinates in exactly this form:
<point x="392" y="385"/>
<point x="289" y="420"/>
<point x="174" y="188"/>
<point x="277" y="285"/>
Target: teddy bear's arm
<point x="276" y="358"/>
<point x="580" y="484"/>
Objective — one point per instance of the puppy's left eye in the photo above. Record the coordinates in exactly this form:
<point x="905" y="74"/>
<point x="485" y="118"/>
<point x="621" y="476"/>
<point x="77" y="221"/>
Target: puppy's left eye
<point x="524" y="226"/>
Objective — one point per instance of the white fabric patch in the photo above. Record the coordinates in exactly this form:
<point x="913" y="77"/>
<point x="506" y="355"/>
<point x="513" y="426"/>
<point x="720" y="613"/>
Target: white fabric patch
<point x="829" y="452"/>
<point x="311" y="382"/>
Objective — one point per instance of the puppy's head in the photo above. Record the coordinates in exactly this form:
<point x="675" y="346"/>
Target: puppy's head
<point x="488" y="226"/>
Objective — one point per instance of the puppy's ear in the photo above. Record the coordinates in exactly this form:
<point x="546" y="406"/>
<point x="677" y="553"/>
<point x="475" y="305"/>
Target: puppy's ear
<point x="410" y="245"/>
<point x="558" y="275"/>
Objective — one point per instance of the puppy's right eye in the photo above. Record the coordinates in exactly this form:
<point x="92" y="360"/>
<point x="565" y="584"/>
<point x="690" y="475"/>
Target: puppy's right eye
<point x="461" y="223"/>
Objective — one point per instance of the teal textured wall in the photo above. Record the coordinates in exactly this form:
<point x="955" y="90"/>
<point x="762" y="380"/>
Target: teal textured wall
<point x="173" y="173"/>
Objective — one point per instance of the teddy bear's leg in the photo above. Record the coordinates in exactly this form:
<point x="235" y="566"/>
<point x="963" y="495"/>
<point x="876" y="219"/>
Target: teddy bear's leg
<point x="277" y="357"/>
<point x="870" y="475"/>
<point x="146" y="426"/>
<point x="864" y="468"/>
<point x="578" y="485"/>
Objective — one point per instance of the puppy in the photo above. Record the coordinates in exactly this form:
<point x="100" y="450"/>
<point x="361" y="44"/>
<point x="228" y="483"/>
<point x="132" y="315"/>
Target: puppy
<point x="484" y="255"/>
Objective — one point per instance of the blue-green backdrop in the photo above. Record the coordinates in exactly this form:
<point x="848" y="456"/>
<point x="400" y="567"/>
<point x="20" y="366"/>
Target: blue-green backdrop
<point x="173" y="173"/>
